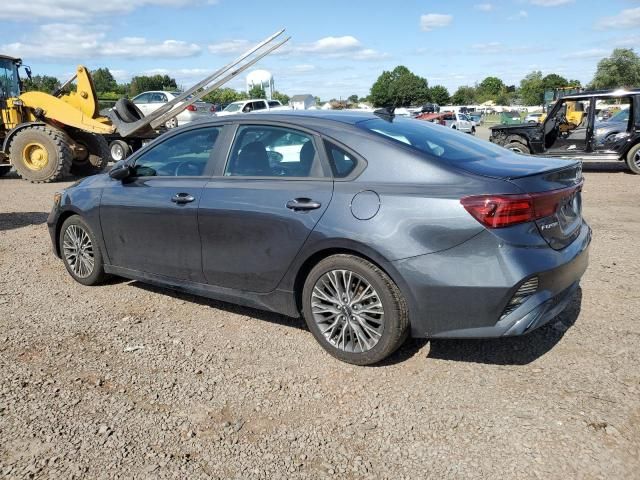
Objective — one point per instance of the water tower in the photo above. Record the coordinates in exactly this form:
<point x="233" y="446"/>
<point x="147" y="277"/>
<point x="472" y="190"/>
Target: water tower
<point x="262" y="78"/>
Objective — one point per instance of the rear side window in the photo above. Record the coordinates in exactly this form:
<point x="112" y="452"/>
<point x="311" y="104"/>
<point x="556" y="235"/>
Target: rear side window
<point x="434" y="140"/>
<point x="342" y="163"/>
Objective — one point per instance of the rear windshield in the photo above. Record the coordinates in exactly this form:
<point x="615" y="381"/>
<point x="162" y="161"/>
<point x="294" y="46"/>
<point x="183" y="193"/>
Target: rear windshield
<point x="434" y="140"/>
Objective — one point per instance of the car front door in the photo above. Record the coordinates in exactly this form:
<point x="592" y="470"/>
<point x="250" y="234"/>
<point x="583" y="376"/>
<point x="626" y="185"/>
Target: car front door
<point x="156" y="100"/>
<point x="150" y="220"/>
<point x="142" y="102"/>
<point x="256" y="214"/>
<point x="570" y="133"/>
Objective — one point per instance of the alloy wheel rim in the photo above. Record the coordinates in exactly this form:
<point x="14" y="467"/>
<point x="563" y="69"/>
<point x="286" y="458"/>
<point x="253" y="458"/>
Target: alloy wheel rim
<point x="78" y="251"/>
<point x="117" y="152"/>
<point x="348" y="311"/>
<point x="517" y="150"/>
<point x="636" y="159"/>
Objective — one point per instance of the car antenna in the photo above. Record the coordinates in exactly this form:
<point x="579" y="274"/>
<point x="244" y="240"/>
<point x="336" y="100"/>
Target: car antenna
<point x="386" y="113"/>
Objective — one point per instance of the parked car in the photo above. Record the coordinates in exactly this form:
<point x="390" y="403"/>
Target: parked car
<point x="455" y="237"/>
<point x="430" y="108"/>
<point x="149" y="102"/>
<point x="580" y="137"/>
<point x="605" y="131"/>
<point x="476" y="118"/>
<point x="456" y="121"/>
<point x="253" y="105"/>
<point x="533" y="117"/>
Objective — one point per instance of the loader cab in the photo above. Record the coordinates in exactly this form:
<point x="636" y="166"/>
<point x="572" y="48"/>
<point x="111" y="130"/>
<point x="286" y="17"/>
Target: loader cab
<point x="9" y="79"/>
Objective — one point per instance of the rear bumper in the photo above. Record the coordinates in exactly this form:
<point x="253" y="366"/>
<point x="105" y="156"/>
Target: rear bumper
<point x="463" y="292"/>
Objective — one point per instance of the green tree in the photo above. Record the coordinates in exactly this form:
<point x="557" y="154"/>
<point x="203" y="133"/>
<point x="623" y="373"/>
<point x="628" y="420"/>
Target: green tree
<point x="554" y="80"/>
<point x="464" y="95"/>
<point x="144" y="83"/>
<point x="621" y="69"/>
<point x="103" y="81"/>
<point x="399" y="88"/>
<point x="224" y="96"/>
<point x="531" y="90"/>
<point x="439" y="95"/>
<point x="41" y="83"/>
<point x="318" y="101"/>
<point x="257" y="92"/>
<point x="353" y="98"/>
<point x="284" y="98"/>
<point x="490" y="88"/>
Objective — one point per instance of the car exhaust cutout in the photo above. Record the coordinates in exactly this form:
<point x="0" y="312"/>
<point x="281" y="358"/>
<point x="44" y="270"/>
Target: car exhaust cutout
<point x="498" y="211"/>
<point x="199" y="90"/>
<point x="525" y="290"/>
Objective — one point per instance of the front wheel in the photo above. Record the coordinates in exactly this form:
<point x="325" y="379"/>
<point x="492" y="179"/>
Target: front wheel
<point x="354" y="310"/>
<point x="80" y="252"/>
<point x="518" y="147"/>
<point x="119" y="150"/>
<point x="633" y="159"/>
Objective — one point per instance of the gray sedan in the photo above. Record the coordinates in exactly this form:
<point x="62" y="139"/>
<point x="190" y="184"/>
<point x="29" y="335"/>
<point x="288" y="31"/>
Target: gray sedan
<point x="369" y="226"/>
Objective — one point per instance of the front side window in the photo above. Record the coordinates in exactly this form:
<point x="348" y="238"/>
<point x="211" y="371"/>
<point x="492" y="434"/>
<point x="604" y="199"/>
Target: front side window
<point x="183" y="155"/>
<point x="259" y="105"/>
<point x="158" y="97"/>
<point x="8" y="79"/>
<point x="266" y="151"/>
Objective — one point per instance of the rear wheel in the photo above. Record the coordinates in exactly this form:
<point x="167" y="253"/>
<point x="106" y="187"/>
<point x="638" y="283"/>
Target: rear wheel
<point x="94" y="156"/>
<point x="80" y="252"/>
<point x="119" y="150"/>
<point x="171" y="123"/>
<point x="41" y="153"/>
<point x="633" y="159"/>
<point x="354" y="310"/>
<point x="518" y="148"/>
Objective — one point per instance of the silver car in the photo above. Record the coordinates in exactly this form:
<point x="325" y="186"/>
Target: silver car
<point x="150" y="101"/>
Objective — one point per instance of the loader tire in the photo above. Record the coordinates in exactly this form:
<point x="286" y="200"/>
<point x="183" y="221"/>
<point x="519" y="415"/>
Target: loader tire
<point x="96" y="156"/>
<point x="128" y="111"/>
<point x="41" y="154"/>
<point x="4" y="169"/>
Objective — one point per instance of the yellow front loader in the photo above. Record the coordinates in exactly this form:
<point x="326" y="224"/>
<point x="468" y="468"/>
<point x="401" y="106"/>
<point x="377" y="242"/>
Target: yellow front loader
<point x="47" y="136"/>
<point x="44" y="137"/>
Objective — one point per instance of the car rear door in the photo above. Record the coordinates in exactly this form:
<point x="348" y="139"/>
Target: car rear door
<point x="150" y="220"/>
<point x="258" y="211"/>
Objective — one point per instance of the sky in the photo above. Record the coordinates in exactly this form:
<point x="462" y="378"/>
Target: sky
<point x="338" y="47"/>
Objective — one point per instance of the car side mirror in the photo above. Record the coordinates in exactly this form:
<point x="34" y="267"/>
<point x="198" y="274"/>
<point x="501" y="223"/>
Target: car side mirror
<point x="120" y="172"/>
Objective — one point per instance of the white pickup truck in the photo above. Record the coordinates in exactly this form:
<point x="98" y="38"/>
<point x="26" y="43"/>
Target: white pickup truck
<point x="252" y="105"/>
<point x="458" y="121"/>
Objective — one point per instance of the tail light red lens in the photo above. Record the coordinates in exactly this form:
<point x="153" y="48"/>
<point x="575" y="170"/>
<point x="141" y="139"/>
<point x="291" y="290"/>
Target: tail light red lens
<point x="442" y="122"/>
<point x="497" y="211"/>
<point x="212" y="108"/>
<point x="192" y="108"/>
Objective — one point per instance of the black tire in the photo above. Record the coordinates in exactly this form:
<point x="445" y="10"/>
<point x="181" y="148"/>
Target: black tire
<point x="454" y="127"/>
<point x="518" y="148"/>
<point x="97" y="274"/>
<point x="54" y="142"/>
<point x="4" y="169"/>
<point x="633" y="159"/>
<point x="396" y="314"/>
<point x="473" y="130"/>
<point x="97" y="153"/>
<point x="119" y="150"/>
<point x="128" y="111"/>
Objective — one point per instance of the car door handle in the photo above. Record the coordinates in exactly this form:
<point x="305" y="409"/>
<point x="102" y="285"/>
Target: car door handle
<point x="303" y="204"/>
<point x="181" y="198"/>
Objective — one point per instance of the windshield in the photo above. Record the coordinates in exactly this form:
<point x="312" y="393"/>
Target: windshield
<point x="233" y="107"/>
<point x="434" y="140"/>
<point x="621" y="116"/>
<point x="8" y="79"/>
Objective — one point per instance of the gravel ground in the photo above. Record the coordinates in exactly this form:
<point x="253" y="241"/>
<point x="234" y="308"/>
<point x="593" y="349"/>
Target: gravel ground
<point x="130" y="381"/>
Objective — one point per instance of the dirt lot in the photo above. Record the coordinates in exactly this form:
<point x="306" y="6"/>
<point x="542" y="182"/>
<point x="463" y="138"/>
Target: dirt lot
<point x="125" y="380"/>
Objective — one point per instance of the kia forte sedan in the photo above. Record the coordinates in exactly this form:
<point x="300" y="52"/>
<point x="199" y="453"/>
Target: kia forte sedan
<point x="371" y="227"/>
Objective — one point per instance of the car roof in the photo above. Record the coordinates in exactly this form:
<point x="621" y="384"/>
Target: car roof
<point x="350" y="117"/>
<point x="602" y="93"/>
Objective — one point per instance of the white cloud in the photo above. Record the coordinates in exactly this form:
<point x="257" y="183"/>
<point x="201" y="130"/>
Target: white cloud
<point x="79" y="9"/>
<point x="369" y="54"/>
<point x="304" y="68"/>
<point x="493" y="48"/>
<point x="484" y="7"/>
<point x="630" y="41"/>
<point x="434" y="20"/>
<point x="582" y="54"/>
<point x="519" y="16"/>
<point x="229" y="46"/>
<point x="628" y="18"/>
<point x="551" y="3"/>
<point x="60" y="41"/>
<point x="330" y="45"/>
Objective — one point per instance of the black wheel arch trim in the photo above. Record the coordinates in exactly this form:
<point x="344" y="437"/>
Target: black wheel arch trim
<point x="16" y="129"/>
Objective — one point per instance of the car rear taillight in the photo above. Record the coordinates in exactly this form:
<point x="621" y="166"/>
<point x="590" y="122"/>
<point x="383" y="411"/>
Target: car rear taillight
<point x="442" y="122"/>
<point x="497" y="211"/>
<point x="192" y="108"/>
<point x="212" y="109"/>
